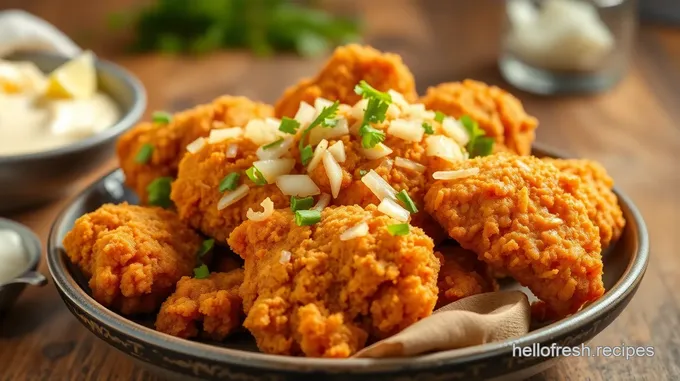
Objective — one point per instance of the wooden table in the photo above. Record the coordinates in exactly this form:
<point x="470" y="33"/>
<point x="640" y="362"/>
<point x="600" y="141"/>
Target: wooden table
<point x="633" y="130"/>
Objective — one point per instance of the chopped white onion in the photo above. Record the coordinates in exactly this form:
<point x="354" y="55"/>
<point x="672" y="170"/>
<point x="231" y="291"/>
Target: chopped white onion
<point x="232" y="150"/>
<point x="409" y="130"/>
<point x="268" y="208"/>
<point x="318" y="155"/>
<point x="394" y="210"/>
<point x="297" y="185"/>
<point x="217" y="136"/>
<point x="378" y="186"/>
<point x="305" y="114"/>
<point x="452" y="175"/>
<point x="355" y="231"/>
<point x="275" y="152"/>
<point x="272" y="169"/>
<point x="397" y="98"/>
<point x="444" y="147"/>
<point x="319" y="133"/>
<point x="196" y="145"/>
<point x="261" y="132"/>
<point x="231" y="197"/>
<point x="285" y="256"/>
<point x="337" y="149"/>
<point x="273" y="123"/>
<point x="218" y="124"/>
<point x="380" y="150"/>
<point x="359" y="109"/>
<point x="393" y="111"/>
<point x="334" y="173"/>
<point x="321" y="103"/>
<point x="409" y="164"/>
<point x="323" y="202"/>
<point x="418" y="111"/>
<point x="453" y="129"/>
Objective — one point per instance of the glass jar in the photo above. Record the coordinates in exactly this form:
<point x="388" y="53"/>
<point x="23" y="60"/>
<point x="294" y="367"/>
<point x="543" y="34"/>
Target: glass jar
<point x="566" y="46"/>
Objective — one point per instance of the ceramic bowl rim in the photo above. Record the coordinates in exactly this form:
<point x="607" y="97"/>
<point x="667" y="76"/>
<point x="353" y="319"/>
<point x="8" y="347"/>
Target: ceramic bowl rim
<point x="625" y="285"/>
<point x="29" y="239"/>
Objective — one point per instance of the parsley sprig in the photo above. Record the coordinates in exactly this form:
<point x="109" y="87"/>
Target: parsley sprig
<point x="376" y="112"/>
<point x="479" y="144"/>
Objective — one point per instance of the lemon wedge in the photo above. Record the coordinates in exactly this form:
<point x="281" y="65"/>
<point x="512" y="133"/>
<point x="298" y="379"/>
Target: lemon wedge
<point x="76" y="78"/>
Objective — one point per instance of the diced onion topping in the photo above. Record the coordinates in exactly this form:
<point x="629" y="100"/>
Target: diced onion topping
<point x="390" y="207"/>
<point x="452" y="175"/>
<point x="334" y="173"/>
<point x="232" y="150"/>
<point x="393" y="111"/>
<point x="378" y="186"/>
<point x="418" y="111"/>
<point x="318" y="155"/>
<point x="285" y="256"/>
<point x="359" y="109"/>
<point x="408" y="130"/>
<point x="268" y="206"/>
<point x="444" y="147"/>
<point x="341" y="128"/>
<point x="297" y="185"/>
<point x="305" y="114"/>
<point x="196" y="145"/>
<point x="321" y="103"/>
<point x="355" y="231"/>
<point x="409" y="164"/>
<point x="455" y="130"/>
<point x="230" y="198"/>
<point x="222" y="134"/>
<point x="380" y="150"/>
<point x="261" y="132"/>
<point x="266" y="153"/>
<point x="323" y="202"/>
<point x="272" y="169"/>
<point x="338" y="151"/>
<point x="397" y="98"/>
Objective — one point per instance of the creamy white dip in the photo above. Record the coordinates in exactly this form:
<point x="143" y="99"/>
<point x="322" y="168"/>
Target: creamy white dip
<point x="13" y="258"/>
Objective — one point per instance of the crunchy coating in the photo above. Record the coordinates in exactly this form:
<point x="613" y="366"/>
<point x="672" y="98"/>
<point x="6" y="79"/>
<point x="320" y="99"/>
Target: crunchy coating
<point x="462" y="275"/>
<point x="525" y="218"/>
<point x="330" y="295"/>
<point x="132" y="255"/>
<point x="196" y="191"/>
<point x="498" y="112"/>
<point x="212" y="303"/>
<point x="603" y="205"/>
<point x="346" y="67"/>
<point x="170" y="141"/>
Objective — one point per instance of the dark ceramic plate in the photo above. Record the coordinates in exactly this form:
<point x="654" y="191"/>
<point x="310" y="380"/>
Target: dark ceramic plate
<point x="238" y="359"/>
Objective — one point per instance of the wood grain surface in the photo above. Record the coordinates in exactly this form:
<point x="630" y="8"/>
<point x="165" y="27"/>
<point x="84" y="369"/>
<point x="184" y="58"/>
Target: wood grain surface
<point x="633" y="129"/>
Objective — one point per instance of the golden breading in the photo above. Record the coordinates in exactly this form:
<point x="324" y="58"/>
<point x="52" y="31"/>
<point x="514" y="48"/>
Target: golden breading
<point x="603" y="205"/>
<point x="196" y="191"/>
<point x="308" y="292"/>
<point x="213" y="302"/>
<point x="132" y="255"/>
<point x="498" y="113"/>
<point x="170" y="141"/>
<point x="346" y="67"/>
<point x="525" y="218"/>
<point x="462" y="275"/>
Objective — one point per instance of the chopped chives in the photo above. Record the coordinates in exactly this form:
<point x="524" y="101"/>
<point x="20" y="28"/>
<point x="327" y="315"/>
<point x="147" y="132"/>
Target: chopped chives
<point x="406" y="200"/>
<point x="161" y="117"/>
<point x="306" y="154"/>
<point x="303" y="203"/>
<point x="144" y="154"/>
<point x="201" y="272"/>
<point x="307" y="217"/>
<point x="428" y="128"/>
<point x="398" y="229"/>
<point x="229" y="182"/>
<point x="289" y="125"/>
<point x="205" y="248"/>
<point x="479" y="144"/>
<point x="273" y="144"/>
<point x="439" y="116"/>
<point x="255" y="176"/>
<point x="158" y="192"/>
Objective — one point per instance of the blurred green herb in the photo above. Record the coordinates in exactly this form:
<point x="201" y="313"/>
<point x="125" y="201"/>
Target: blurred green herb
<point x="263" y="26"/>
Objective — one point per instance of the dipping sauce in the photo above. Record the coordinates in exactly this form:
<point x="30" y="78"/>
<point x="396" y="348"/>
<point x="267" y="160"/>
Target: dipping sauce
<point x="13" y="258"/>
<point x="33" y="119"/>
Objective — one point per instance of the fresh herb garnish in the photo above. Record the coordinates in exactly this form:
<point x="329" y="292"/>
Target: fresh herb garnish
<point x="428" y="128"/>
<point x="306" y="154"/>
<point x="326" y="113"/>
<point x="369" y="92"/>
<point x="229" y="182"/>
<point x="303" y="203"/>
<point x="407" y="202"/>
<point x="307" y="217"/>
<point x="205" y="248"/>
<point x="362" y="172"/>
<point x="376" y="112"/>
<point x="201" y="272"/>
<point x="255" y="176"/>
<point x="158" y="192"/>
<point x="370" y="137"/>
<point x="398" y="229"/>
<point x="289" y="125"/>
<point x="439" y="116"/>
<point x="144" y="154"/>
<point x="273" y="144"/>
<point x="479" y="144"/>
<point x="161" y="117"/>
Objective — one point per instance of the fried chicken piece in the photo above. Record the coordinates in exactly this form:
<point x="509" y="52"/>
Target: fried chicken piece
<point x="525" y="218"/>
<point x="603" y="205"/>
<point x="498" y="113"/>
<point x="213" y="302"/>
<point x="462" y="275"/>
<point x="308" y="292"/>
<point x="196" y="191"/>
<point x="344" y="70"/>
<point x="132" y="255"/>
<point x="169" y="141"/>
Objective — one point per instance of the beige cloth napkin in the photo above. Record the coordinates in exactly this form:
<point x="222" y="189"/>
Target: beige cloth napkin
<point x="474" y="320"/>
